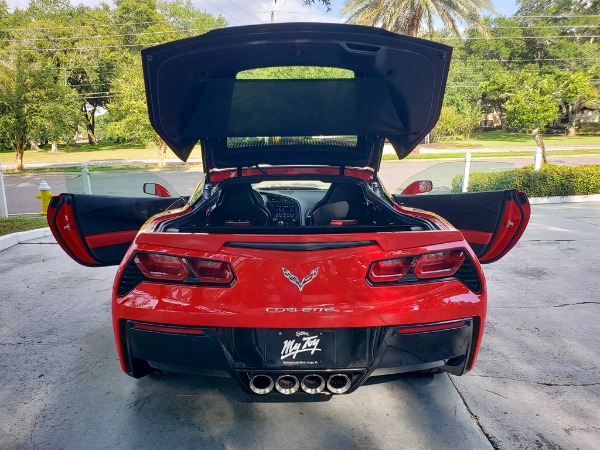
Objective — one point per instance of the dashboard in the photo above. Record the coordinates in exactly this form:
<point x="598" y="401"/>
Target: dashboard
<point x="287" y="210"/>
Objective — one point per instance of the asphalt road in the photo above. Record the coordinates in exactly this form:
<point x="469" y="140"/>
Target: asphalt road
<point x="536" y="384"/>
<point x="21" y="189"/>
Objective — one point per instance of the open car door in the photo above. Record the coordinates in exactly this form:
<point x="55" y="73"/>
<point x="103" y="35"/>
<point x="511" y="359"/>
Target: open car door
<point x="491" y="222"/>
<point x="97" y="230"/>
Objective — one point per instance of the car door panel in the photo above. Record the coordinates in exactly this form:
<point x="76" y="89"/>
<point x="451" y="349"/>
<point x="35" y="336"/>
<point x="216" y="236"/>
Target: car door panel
<point x="491" y="222"/>
<point x="97" y="230"/>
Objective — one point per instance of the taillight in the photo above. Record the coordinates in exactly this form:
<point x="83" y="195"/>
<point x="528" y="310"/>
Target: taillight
<point x="389" y="270"/>
<point x="161" y="267"/>
<point x="211" y="271"/>
<point x="158" y="266"/>
<point x="411" y="269"/>
<point x="439" y="264"/>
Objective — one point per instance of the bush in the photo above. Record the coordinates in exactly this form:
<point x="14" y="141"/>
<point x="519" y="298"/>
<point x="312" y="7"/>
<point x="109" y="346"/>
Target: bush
<point x="589" y="128"/>
<point x="550" y="180"/>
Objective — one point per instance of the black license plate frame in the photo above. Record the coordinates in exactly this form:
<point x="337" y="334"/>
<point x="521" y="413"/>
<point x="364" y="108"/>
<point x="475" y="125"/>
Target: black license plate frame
<point x="295" y="347"/>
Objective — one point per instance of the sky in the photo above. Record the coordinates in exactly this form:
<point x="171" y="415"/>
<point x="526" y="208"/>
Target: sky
<point x="246" y="12"/>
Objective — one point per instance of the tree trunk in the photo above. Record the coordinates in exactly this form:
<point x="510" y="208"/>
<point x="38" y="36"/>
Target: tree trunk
<point x="19" y="146"/>
<point x="90" y="123"/>
<point x="537" y="137"/>
<point x="162" y="151"/>
<point x="571" y="131"/>
<point x="414" y="22"/>
<point x="92" y="139"/>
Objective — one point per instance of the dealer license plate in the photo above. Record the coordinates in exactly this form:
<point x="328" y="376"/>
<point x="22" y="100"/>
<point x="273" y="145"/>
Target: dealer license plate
<point x="300" y="347"/>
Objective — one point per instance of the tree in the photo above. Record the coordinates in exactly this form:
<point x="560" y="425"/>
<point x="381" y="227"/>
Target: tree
<point x="128" y="113"/>
<point x="575" y="91"/>
<point x="93" y="63"/>
<point x="407" y="16"/>
<point x="532" y="104"/>
<point x="133" y="18"/>
<point x="34" y="102"/>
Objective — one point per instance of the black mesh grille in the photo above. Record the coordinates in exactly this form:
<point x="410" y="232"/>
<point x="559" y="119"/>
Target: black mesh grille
<point x="131" y="278"/>
<point x="468" y="276"/>
<point x="474" y="337"/>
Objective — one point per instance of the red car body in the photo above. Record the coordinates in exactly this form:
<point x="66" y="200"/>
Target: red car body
<point x="290" y="268"/>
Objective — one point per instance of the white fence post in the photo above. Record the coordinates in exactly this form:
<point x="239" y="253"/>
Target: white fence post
<point x="87" y="182"/>
<point x="3" y="205"/>
<point x="465" y="183"/>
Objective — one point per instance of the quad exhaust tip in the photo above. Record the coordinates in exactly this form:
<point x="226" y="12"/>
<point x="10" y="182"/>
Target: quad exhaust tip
<point x="261" y="384"/>
<point x="338" y="383"/>
<point x="287" y="384"/>
<point x="313" y="384"/>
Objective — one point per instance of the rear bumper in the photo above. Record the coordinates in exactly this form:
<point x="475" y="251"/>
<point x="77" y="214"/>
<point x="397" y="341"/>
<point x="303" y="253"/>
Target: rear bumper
<point x="243" y="353"/>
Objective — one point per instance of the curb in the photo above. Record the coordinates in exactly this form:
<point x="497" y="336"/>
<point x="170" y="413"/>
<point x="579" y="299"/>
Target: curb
<point x="23" y="236"/>
<point x="565" y="199"/>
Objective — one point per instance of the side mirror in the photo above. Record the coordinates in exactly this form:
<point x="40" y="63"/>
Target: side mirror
<point x="156" y="189"/>
<point x="418" y="187"/>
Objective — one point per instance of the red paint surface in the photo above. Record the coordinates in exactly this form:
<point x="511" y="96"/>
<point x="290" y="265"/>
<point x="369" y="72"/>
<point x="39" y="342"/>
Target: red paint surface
<point x="64" y="228"/>
<point x="112" y="238"/>
<point x="260" y="284"/>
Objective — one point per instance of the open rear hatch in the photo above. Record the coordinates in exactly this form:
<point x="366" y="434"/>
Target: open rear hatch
<point x="193" y="94"/>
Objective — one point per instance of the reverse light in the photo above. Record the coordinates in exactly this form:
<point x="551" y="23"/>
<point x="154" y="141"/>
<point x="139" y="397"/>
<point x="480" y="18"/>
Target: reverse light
<point x="389" y="270"/>
<point x="161" y="267"/>
<point x="211" y="271"/>
<point x="439" y="264"/>
<point x="427" y="328"/>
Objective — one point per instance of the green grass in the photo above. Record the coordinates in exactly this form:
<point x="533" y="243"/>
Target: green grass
<point x="21" y="223"/>
<point x="81" y="152"/>
<point x="499" y="139"/>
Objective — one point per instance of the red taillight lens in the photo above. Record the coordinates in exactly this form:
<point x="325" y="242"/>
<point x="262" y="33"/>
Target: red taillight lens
<point x="161" y="267"/>
<point x="438" y="265"/>
<point x="211" y="271"/>
<point x="389" y="270"/>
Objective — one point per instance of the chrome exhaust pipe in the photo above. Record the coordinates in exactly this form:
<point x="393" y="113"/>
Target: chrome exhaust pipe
<point x="261" y="384"/>
<point x="287" y="384"/>
<point x="313" y="384"/>
<point x="338" y="383"/>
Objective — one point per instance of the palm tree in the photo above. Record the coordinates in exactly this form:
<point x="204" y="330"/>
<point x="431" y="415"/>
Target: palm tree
<point x="407" y="16"/>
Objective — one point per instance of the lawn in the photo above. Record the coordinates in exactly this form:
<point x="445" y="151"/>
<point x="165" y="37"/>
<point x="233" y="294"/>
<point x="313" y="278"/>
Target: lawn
<point x="495" y="139"/>
<point x="117" y="154"/>
<point x="21" y="223"/>
<point x="83" y="152"/>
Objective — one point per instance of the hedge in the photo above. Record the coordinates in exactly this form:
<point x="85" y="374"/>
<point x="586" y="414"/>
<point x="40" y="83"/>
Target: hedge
<point x="551" y="180"/>
<point x="588" y="128"/>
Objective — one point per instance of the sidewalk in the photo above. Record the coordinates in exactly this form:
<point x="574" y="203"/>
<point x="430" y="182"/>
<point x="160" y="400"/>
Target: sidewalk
<point x="107" y="162"/>
<point x="430" y="149"/>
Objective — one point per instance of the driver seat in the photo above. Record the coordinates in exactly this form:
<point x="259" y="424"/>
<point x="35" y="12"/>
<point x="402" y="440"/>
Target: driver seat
<point x="239" y="205"/>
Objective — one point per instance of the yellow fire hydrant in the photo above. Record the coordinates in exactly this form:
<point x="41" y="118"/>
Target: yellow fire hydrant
<point x="45" y="195"/>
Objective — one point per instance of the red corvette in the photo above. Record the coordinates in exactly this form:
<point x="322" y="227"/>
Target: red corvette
<point x="291" y="268"/>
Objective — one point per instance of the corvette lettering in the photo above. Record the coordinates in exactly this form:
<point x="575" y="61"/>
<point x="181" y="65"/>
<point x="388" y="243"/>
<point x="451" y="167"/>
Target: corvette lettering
<point x="300" y="310"/>
<point x="307" y="344"/>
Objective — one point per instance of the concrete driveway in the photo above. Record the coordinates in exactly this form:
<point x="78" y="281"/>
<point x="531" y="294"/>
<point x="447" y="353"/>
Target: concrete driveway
<point x="536" y="385"/>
